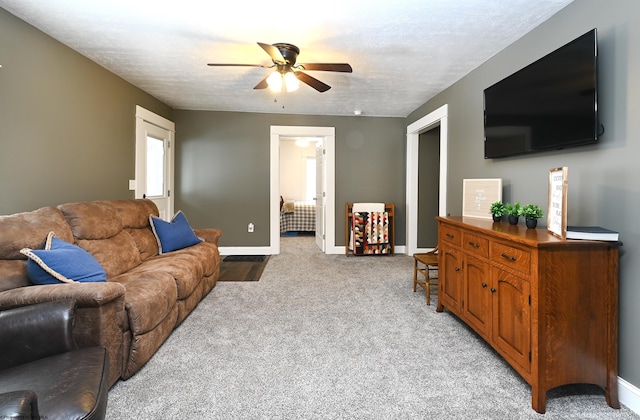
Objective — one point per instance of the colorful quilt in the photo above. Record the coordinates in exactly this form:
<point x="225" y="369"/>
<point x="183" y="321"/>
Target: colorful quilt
<point x="371" y="233"/>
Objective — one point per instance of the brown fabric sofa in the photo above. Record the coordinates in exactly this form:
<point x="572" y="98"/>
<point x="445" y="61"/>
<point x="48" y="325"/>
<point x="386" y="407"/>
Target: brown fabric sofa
<point x="146" y="294"/>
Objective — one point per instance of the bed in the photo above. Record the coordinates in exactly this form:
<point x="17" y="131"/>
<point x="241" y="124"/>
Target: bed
<point x="298" y="216"/>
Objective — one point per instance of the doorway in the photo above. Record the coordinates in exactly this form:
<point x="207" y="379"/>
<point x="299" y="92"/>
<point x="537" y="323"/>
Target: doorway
<point x="437" y="118"/>
<point x="154" y="169"/>
<point x="302" y="181"/>
<point x="327" y="226"/>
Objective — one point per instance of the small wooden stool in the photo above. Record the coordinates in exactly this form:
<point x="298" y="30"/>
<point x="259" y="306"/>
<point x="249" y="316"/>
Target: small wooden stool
<point x="430" y="262"/>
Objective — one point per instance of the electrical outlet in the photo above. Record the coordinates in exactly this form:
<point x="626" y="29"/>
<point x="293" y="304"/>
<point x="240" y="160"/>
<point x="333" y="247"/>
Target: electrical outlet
<point x="250" y="228"/>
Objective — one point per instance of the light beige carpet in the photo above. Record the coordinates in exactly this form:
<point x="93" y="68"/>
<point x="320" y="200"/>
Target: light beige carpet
<point x="333" y="337"/>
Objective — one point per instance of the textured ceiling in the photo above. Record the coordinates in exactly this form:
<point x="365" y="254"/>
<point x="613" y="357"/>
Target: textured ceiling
<point x="402" y="52"/>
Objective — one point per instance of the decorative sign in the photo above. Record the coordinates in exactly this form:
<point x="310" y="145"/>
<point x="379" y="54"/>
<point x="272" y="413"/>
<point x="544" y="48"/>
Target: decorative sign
<point x="478" y="195"/>
<point x="557" y="211"/>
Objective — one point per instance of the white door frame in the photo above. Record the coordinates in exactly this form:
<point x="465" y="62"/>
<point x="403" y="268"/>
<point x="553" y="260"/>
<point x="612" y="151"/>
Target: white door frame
<point x="321" y="193"/>
<point x="329" y="140"/>
<point x="145" y="116"/>
<point x="438" y="117"/>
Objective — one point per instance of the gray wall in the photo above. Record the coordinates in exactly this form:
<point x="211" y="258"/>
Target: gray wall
<point x="222" y="168"/>
<point x="67" y="125"/>
<point x="603" y="179"/>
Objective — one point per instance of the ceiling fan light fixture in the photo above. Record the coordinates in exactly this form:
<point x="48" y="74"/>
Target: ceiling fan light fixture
<point x="290" y="81"/>
<point x="275" y="81"/>
<point x="278" y="79"/>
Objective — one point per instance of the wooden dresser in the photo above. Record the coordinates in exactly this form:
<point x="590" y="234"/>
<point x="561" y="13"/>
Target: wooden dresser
<point x="548" y="306"/>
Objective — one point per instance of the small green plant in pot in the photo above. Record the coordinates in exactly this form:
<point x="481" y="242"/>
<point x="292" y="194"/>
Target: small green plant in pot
<point x="514" y="211"/>
<point x="531" y="213"/>
<point x="497" y="210"/>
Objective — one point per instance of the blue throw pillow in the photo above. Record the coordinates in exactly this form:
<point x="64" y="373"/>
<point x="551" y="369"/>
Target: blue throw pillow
<point x="61" y="261"/>
<point x="173" y="235"/>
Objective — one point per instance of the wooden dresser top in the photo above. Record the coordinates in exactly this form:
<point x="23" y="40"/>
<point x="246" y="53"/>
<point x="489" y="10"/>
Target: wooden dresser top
<point x="538" y="237"/>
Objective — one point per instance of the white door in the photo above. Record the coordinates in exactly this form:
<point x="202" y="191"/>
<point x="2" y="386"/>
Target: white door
<point x="321" y="192"/>
<point x="154" y="165"/>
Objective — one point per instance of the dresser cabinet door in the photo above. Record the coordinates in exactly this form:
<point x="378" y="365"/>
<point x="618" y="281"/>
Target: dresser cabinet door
<point x="450" y="283"/>
<point x="477" y="295"/>
<point x="512" y="317"/>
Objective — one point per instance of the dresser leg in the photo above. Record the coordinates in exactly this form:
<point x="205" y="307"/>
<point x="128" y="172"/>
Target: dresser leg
<point x="611" y="394"/>
<point x="538" y="400"/>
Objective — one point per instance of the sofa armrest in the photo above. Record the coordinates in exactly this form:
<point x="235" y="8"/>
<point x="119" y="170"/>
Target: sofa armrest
<point x="85" y="294"/>
<point x="34" y="332"/>
<point x="100" y="314"/>
<point x="19" y="405"/>
<point x="209" y="235"/>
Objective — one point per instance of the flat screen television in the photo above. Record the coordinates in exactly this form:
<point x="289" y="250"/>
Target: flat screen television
<point x="550" y="104"/>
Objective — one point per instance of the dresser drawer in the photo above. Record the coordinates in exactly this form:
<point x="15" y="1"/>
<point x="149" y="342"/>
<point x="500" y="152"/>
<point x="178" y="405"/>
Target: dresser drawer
<point x="475" y="245"/>
<point x="512" y="257"/>
<point x="450" y="234"/>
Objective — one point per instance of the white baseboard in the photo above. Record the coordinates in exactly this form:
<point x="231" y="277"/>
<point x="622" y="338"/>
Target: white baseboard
<point x="266" y="250"/>
<point x="244" y="250"/>
<point x="629" y="395"/>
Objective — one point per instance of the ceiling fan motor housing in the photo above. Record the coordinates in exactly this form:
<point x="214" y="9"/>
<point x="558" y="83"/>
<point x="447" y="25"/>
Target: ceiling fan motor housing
<point x="289" y="52"/>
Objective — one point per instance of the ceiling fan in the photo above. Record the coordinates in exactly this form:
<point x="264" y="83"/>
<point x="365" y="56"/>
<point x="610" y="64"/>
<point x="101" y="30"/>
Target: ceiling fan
<point x="287" y="73"/>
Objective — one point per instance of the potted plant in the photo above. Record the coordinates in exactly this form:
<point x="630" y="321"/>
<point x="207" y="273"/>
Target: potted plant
<point x="531" y="213"/>
<point x="497" y="210"/>
<point x="514" y="211"/>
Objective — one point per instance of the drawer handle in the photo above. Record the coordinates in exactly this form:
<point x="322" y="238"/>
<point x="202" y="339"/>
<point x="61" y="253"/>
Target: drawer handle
<point x="508" y="257"/>
<point x="450" y="236"/>
<point x="484" y="285"/>
<point x="473" y="244"/>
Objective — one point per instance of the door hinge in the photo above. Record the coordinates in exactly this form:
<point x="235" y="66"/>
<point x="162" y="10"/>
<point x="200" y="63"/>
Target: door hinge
<point x="169" y="144"/>
<point x="168" y="193"/>
<point x="529" y="300"/>
<point x="529" y="357"/>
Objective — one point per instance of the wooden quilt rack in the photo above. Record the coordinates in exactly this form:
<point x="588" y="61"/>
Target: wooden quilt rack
<point x="389" y="208"/>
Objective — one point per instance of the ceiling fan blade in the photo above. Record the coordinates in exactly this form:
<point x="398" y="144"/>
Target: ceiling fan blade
<point x="236" y="65"/>
<point x="312" y="81"/>
<point x="341" y="67"/>
<point x="273" y="52"/>
<point x="263" y="83"/>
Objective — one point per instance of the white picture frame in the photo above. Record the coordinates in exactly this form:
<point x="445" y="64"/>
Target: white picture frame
<point x="557" y="209"/>
<point x="478" y="195"/>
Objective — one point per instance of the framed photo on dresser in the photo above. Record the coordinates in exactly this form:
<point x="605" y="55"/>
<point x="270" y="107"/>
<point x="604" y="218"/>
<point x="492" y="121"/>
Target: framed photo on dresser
<point x="557" y="211"/>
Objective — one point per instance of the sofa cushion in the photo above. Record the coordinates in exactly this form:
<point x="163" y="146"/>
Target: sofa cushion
<point x="206" y="254"/>
<point x="173" y="235"/>
<point x="185" y="269"/>
<point x="29" y="230"/>
<point x="117" y="254"/>
<point x="135" y="219"/>
<point x="149" y="298"/>
<point x="92" y="219"/>
<point x="61" y="261"/>
<point x="98" y="229"/>
<point x="13" y="274"/>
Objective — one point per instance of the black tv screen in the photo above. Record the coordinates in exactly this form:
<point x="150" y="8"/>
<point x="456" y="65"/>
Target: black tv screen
<point x="550" y="104"/>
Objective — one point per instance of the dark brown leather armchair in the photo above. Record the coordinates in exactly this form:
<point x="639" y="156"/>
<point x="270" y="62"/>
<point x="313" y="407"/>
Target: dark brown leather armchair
<point x="42" y="372"/>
